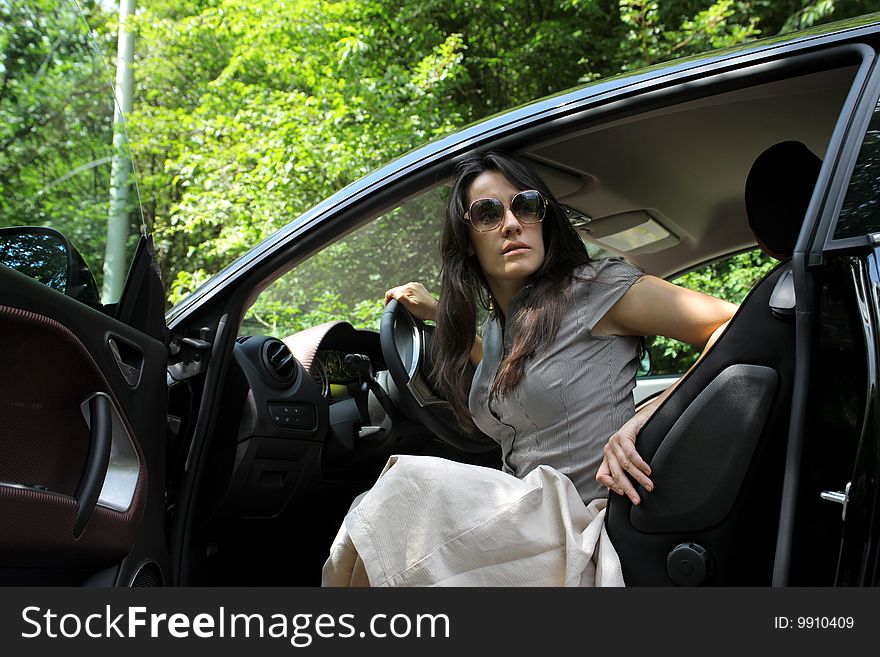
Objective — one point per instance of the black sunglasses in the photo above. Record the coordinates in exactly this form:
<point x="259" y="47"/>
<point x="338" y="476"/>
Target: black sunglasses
<point x="486" y="214"/>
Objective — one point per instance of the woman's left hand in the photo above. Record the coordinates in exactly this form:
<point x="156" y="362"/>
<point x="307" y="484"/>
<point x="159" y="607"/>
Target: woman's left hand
<point x="621" y="458"/>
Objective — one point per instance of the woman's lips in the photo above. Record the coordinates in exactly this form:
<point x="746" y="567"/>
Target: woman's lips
<point x="515" y="249"/>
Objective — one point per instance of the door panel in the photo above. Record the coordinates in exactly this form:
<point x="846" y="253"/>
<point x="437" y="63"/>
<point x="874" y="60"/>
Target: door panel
<point x="56" y="356"/>
<point x="82" y="385"/>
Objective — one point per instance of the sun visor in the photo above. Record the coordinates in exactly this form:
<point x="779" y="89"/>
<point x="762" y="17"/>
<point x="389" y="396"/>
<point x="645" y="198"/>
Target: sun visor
<point x="632" y="233"/>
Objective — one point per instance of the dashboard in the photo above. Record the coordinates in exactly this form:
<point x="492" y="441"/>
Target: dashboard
<point x="307" y="373"/>
<point x="304" y="424"/>
<point x="297" y="411"/>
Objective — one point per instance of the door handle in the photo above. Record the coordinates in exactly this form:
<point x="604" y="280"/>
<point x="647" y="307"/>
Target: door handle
<point x="101" y="433"/>
<point x="129" y="360"/>
<point x="837" y="497"/>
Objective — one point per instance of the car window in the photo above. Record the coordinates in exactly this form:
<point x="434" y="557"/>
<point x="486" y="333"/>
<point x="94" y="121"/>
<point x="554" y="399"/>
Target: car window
<point x="58" y="154"/>
<point x="347" y="281"/>
<point x="860" y="213"/>
<point x="729" y="278"/>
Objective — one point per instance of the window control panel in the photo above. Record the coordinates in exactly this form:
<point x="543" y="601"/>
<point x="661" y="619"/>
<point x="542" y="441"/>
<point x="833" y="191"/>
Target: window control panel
<point x="293" y="416"/>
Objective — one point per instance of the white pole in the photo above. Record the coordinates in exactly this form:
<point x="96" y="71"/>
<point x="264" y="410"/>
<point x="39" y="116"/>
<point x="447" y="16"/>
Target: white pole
<point x="115" y="261"/>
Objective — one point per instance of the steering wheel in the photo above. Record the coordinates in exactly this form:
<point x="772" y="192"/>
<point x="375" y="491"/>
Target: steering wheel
<point x="406" y="343"/>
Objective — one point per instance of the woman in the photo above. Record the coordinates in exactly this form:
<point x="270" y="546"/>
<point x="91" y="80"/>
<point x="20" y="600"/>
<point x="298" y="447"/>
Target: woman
<point x="557" y="361"/>
<point x="550" y="380"/>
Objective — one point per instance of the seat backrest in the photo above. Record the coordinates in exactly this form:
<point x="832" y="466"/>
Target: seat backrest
<point x="716" y="446"/>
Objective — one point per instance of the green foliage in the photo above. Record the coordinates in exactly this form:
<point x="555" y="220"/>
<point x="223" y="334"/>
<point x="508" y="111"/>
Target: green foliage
<point x="396" y="248"/>
<point x="284" y="317"/>
<point x="248" y="112"/>
<point x="56" y="121"/>
<point x="648" y="40"/>
<point x="729" y="279"/>
<point x="251" y="112"/>
<point x="288" y="102"/>
<point x="814" y="12"/>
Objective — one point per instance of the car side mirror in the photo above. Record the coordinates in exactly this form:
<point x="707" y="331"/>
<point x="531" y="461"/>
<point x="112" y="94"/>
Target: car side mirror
<point x="48" y="256"/>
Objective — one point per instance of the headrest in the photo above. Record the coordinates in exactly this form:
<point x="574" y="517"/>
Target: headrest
<point x="777" y="193"/>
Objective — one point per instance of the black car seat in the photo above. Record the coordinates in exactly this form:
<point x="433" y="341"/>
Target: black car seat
<point x="716" y="446"/>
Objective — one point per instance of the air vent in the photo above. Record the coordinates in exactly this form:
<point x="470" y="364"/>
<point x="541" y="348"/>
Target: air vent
<point x="242" y="339"/>
<point x="279" y="361"/>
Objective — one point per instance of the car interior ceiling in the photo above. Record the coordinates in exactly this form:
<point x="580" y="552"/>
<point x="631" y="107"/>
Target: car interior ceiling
<point x="686" y="164"/>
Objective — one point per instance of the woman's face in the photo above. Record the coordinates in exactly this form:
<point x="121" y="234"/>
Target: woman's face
<point x="513" y="251"/>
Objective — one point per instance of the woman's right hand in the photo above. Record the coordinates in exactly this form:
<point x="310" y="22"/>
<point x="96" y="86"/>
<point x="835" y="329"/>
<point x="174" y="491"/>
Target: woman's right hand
<point x="415" y="298"/>
<point x="622" y="459"/>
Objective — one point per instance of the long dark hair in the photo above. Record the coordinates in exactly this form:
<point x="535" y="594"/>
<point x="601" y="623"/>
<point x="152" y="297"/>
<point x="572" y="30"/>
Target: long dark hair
<point x="463" y="286"/>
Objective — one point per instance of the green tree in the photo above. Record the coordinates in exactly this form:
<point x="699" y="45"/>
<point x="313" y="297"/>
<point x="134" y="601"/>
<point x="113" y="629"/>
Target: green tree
<point x="729" y="279"/>
<point x="291" y="106"/>
<point x="251" y="112"/>
<point x="56" y="110"/>
<point x="248" y="112"/>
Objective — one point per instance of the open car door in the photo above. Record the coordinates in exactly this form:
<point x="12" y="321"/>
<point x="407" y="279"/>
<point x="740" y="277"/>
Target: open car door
<point x="82" y="380"/>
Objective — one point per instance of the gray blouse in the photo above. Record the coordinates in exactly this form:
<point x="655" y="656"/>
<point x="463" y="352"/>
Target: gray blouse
<point x="574" y="395"/>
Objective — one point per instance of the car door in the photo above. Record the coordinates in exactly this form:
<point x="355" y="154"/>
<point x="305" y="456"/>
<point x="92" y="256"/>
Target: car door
<point x="850" y="491"/>
<point x="82" y="380"/>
